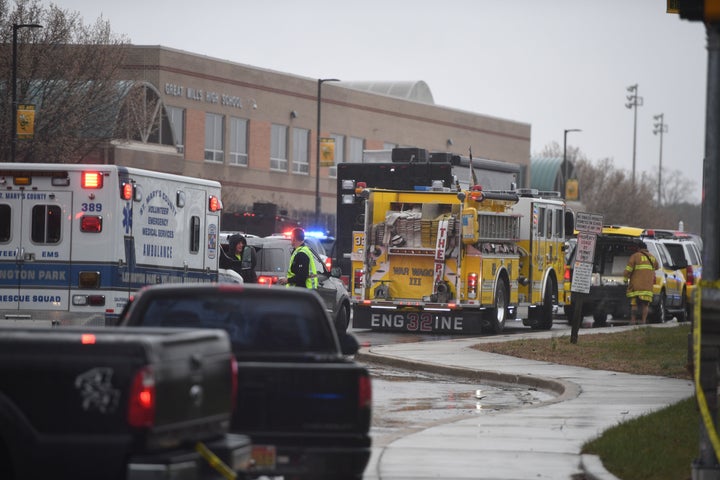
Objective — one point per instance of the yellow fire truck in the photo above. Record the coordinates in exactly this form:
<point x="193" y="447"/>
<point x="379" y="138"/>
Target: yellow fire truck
<point x="462" y="262"/>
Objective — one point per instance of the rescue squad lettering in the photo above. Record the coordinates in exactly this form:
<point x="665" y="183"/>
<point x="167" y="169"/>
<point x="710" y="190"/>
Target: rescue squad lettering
<point x="159" y="225"/>
<point x="416" y="321"/>
<point x="31" y="298"/>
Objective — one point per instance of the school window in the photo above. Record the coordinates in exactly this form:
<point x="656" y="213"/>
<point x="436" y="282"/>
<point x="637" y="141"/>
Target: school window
<point x="176" y="117"/>
<point x="278" y="148"/>
<point x="355" y="149"/>
<point x="339" y="153"/>
<point x="214" y="138"/>
<point x="194" y="234"/>
<point x="45" y="224"/>
<point x="238" y="142"/>
<point x="4" y="223"/>
<point x="300" y="151"/>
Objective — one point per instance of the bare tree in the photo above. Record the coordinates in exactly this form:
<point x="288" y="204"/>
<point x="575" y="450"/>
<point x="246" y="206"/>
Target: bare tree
<point x="609" y="191"/>
<point x="70" y="71"/>
<point x="675" y="187"/>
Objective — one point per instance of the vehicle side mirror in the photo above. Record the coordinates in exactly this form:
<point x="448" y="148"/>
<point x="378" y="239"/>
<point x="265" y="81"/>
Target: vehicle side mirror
<point x="349" y="345"/>
<point x="336" y="272"/>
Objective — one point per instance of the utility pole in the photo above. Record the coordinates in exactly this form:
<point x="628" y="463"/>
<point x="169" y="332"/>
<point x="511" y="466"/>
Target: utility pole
<point x="660" y="127"/>
<point x="634" y="101"/>
<point x="705" y="351"/>
<point x="317" y="147"/>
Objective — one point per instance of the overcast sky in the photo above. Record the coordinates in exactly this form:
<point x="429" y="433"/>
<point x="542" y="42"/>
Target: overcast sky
<point x="555" y="64"/>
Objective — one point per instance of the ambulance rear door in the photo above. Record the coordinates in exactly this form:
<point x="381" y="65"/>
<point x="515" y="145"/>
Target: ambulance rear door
<point x="35" y="242"/>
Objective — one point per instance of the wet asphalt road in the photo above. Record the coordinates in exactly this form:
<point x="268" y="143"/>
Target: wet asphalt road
<point x="406" y="401"/>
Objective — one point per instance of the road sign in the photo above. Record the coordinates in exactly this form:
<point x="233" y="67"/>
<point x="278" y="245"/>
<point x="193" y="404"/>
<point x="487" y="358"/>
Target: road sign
<point x="582" y="277"/>
<point x="585" y="249"/>
<point x="589" y="222"/>
<point x="589" y="225"/>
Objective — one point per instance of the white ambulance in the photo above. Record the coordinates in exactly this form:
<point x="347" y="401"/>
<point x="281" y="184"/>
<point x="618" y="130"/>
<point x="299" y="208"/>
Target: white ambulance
<point x="76" y="240"/>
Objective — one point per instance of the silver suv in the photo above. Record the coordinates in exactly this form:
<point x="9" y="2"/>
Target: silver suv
<point x="273" y="259"/>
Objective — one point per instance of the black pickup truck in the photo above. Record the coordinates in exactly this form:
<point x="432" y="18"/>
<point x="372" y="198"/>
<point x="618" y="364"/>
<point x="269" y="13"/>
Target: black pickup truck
<point x="111" y="403"/>
<point x="302" y="399"/>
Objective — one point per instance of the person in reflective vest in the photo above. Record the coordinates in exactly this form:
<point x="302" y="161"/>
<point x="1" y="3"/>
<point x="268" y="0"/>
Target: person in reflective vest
<point x="301" y="271"/>
<point x="640" y="277"/>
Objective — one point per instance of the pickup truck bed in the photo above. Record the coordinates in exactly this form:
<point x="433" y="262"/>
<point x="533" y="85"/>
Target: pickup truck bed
<point x="305" y="404"/>
<point x="98" y="402"/>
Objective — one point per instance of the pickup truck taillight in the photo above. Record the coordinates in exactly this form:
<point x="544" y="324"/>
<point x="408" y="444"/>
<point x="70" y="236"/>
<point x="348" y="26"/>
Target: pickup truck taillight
<point x="364" y="392"/>
<point x="141" y="408"/>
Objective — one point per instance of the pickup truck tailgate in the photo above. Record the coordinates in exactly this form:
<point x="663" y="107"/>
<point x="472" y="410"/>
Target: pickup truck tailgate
<point x="301" y="397"/>
<point x="95" y="371"/>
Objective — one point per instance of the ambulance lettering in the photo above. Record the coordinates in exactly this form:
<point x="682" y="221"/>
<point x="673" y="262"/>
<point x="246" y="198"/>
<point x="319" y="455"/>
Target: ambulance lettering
<point x="159" y="220"/>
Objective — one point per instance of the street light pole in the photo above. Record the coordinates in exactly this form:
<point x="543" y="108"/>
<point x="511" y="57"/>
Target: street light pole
<point x="13" y="118"/>
<point x="565" y="164"/>
<point x="660" y="127"/>
<point x="317" y="148"/>
<point x="634" y="101"/>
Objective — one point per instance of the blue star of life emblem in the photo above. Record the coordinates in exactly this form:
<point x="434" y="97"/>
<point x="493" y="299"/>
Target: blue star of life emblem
<point x="127" y="218"/>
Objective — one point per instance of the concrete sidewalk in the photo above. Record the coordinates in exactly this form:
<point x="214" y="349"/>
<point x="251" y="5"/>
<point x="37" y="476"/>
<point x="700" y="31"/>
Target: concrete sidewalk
<point x="538" y="442"/>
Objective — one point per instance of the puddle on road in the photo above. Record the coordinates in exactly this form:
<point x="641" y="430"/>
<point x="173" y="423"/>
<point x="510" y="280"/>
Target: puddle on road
<point x="409" y="400"/>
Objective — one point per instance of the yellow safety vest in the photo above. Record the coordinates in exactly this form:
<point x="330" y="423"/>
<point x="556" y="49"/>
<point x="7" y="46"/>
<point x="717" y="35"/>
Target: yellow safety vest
<point x="312" y="281"/>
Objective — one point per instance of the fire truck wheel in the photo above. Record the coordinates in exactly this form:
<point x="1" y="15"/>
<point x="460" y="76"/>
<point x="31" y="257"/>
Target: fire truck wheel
<point x="546" y="315"/>
<point x="497" y="322"/>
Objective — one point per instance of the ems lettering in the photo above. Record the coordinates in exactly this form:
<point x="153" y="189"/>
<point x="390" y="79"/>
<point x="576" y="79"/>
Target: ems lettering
<point x="50" y="254"/>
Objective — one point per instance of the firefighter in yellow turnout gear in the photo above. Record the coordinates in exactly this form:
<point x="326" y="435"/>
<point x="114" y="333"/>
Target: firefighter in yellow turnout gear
<point x="640" y="276"/>
<point x="301" y="271"/>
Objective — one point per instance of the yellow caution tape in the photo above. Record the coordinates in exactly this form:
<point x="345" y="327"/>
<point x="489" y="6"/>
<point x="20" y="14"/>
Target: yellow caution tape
<point x="215" y="462"/>
<point x="701" y="400"/>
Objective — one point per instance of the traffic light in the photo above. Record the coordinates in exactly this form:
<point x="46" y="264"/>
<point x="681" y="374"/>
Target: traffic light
<point x="707" y="11"/>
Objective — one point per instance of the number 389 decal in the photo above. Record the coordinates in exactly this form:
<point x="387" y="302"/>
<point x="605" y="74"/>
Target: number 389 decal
<point x="91" y="207"/>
